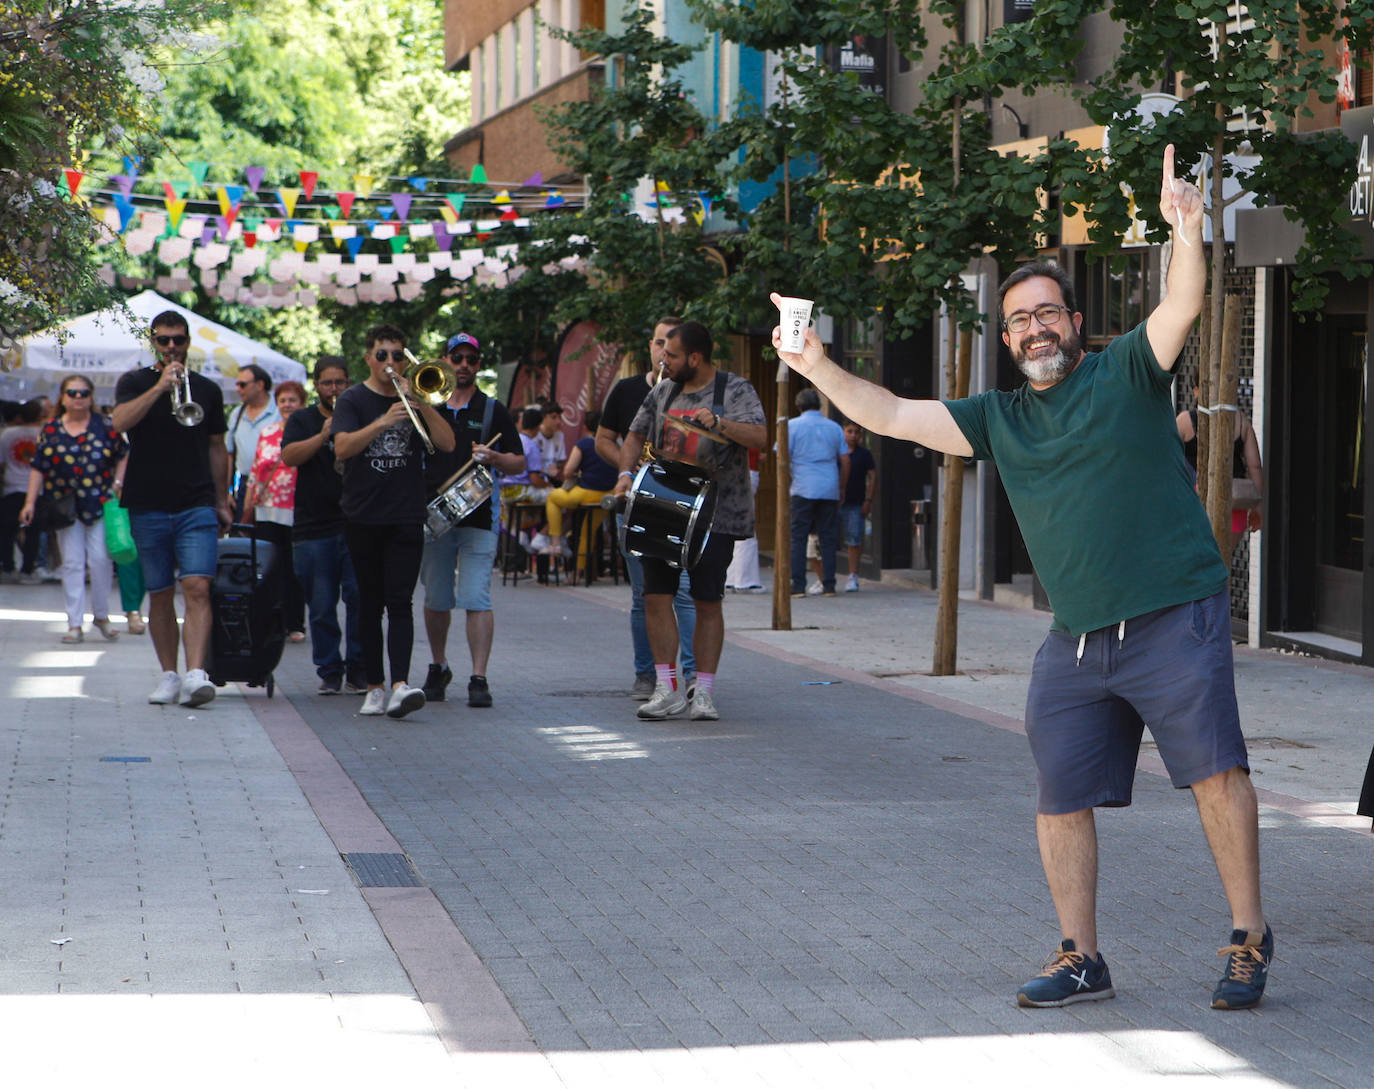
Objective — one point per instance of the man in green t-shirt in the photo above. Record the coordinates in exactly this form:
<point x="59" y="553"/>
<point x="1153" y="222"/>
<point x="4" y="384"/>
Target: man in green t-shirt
<point x="1089" y="455"/>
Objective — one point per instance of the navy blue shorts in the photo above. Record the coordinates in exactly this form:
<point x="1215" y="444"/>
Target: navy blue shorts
<point x="1170" y="670"/>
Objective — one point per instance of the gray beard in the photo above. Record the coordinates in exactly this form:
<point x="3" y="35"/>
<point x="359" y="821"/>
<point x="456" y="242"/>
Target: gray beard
<point x="1053" y="368"/>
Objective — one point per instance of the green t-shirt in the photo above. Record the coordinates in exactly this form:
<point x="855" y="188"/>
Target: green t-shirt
<point x="1095" y="472"/>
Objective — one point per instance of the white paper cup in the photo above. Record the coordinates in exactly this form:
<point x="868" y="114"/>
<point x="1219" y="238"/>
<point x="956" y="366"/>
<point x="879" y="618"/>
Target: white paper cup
<point x="796" y="316"/>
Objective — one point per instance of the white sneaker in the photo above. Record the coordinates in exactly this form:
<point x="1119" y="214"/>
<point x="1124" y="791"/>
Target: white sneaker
<point x="539" y="542"/>
<point x="196" y="689"/>
<point x="852" y="584"/>
<point x="814" y="589"/>
<point x="664" y="703"/>
<point x="374" y="703"/>
<point x="703" y="706"/>
<point x="404" y="699"/>
<point x="167" y="690"/>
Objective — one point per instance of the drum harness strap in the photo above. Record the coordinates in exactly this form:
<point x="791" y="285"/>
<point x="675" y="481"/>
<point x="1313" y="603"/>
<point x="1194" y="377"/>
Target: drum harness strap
<point x="717" y="401"/>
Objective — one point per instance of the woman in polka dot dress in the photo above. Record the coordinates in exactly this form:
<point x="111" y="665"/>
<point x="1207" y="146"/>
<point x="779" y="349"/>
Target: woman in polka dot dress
<point x="78" y="453"/>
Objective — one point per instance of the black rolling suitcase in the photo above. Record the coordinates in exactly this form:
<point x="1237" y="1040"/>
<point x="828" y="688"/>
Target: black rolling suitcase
<point x="248" y="607"/>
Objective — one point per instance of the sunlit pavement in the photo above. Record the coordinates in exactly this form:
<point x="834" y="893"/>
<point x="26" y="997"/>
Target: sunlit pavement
<point x="837" y="884"/>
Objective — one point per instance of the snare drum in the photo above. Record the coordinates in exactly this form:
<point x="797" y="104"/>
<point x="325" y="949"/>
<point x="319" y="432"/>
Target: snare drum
<point x="668" y="513"/>
<point x="462" y="494"/>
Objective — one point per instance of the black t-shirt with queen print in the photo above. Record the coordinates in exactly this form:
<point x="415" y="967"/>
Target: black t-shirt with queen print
<point x="385" y="483"/>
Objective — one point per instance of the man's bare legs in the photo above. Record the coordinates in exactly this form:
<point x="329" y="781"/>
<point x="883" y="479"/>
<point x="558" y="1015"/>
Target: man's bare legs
<point x="162" y="626"/>
<point x="1068" y="851"/>
<point x="195" y="632"/>
<point x="1230" y="818"/>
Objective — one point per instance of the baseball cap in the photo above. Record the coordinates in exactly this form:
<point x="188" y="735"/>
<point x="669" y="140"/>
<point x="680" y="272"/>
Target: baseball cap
<point x="462" y="338"/>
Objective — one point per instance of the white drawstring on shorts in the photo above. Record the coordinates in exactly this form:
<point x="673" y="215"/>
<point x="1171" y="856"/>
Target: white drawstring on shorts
<point x="1083" y="642"/>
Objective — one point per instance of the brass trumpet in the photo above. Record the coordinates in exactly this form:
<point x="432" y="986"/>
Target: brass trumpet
<point x="184" y="410"/>
<point x="433" y="383"/>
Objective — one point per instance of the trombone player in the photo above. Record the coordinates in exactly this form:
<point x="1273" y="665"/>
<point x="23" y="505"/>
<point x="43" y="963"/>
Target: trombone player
<point x="381" y="430"/>
<point x="174" y="487"/>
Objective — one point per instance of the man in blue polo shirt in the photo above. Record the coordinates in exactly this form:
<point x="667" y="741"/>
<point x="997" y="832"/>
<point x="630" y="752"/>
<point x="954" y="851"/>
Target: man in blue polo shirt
<point x="1090" y="458"/>
<point x="820" y="460"/>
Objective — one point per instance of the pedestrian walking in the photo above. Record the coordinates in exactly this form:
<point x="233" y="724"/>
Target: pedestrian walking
<point x="78" y="453"/>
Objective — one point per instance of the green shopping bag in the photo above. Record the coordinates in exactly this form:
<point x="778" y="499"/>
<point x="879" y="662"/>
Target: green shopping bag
<point x="119" y="538"/>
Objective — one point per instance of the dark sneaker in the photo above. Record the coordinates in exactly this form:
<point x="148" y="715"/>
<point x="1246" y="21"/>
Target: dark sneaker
<point x="479" y="695"/>
<point x="356" y="682"/>
<point x="436" y="680"/>
<point x="644" y="686"/>
<point x="330" y="686"/>
<point x="1069" y="976"/>
<point x="1247" y="970"/>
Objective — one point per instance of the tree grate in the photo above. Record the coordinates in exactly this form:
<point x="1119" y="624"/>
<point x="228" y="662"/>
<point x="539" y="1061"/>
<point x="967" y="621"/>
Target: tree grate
<point x="379" y="870"/>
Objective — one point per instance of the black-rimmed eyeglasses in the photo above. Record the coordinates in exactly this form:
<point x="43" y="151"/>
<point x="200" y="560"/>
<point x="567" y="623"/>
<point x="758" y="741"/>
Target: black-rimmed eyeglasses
<point x="1046" y="314"/>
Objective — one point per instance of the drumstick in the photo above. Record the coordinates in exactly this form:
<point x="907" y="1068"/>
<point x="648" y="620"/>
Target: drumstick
<point x="695" y="429"/>
<point x="451" y="480"/>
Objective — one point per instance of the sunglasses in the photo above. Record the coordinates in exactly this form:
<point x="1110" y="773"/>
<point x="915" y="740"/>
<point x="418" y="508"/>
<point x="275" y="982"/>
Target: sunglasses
<point x="77" y="393"/>
<point x="177" y="339"/>
<point x="328" y="382"/>
<point x="397" y="355"/>
<point x="464" y="357"/>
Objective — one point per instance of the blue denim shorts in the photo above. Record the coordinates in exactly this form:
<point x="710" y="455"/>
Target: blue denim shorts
<point x="1170" y="670"/>
<point x="175" y="545"/>
<point x="471" y="552"/>
<point x="852" y="525"/>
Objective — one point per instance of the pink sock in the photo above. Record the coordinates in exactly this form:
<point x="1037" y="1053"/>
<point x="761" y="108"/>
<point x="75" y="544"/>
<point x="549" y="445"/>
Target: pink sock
<point x="667" y="674"/>
<point x="706" y="682"/>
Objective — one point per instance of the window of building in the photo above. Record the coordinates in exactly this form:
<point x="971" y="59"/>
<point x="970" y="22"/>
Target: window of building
<point x="1112" y="295"/>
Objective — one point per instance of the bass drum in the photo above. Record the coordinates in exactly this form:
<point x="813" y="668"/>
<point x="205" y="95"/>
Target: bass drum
<point x="668" y="513"/>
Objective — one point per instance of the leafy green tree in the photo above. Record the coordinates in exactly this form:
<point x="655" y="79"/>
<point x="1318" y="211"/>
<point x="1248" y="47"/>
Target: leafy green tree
<point x="903" y="204"/>
<point x="339" y="87"/>
<point x="73" y="76"/>
<point x="1246" y="87"/>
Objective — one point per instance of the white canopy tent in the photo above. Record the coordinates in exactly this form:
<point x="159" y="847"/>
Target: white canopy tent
<point x="104" y="345"/>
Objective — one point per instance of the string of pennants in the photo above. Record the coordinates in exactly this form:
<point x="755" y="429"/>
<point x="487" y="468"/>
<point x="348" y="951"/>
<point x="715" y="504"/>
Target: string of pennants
<point x="240" y="218"/>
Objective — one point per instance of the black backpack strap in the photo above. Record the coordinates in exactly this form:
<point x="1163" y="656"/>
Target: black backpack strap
<point x="718" y="405"/>
<point x="488" y="410"/>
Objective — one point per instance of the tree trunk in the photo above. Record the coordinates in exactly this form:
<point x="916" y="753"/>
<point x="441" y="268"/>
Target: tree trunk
<point x="782" y="515"/>
<point x="957" y="371"/>
<point x="1222" y="431"/>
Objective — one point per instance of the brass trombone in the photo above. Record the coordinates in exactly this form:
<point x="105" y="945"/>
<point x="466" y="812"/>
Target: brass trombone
<point x="433" y="383"/>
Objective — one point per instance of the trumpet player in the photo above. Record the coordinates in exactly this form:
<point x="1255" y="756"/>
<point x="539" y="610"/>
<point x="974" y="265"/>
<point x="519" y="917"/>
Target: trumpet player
<point x="175" y="486"/>
<point x="377" y="437"/>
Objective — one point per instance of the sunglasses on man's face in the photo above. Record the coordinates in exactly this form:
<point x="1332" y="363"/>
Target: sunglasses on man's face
<point x="244" y="383"/>
<point x="78" y="393"/>
<point x="464" y="357"/>
<point x="177" y="339"/>
<point x="397" y="355"/>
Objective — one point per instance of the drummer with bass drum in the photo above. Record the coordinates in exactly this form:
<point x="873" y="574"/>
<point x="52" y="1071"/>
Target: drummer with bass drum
<point x="456" y="566"/>
<point x="728" y="407"/>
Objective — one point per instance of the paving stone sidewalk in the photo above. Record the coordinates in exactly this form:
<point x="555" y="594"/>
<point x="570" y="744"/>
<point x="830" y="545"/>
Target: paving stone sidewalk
<point x="835" y="885"/>
<point x="842" y="877"/>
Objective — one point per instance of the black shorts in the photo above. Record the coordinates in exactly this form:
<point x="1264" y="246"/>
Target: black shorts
<point x="707" y="577"/>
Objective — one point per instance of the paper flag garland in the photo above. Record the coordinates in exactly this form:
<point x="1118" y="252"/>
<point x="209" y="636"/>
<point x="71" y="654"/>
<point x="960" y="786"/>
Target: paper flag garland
<point x="401" y="202"/>
<point x="254" y="176"/>
<point x="479" y="175"/>
<point x="345" y="203"/>
<point x="288" y="200"/>
<point x="363" y="184"/>
<point x="308" y="180"/>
